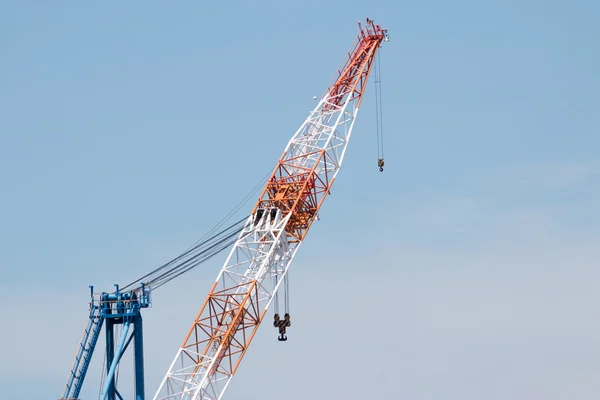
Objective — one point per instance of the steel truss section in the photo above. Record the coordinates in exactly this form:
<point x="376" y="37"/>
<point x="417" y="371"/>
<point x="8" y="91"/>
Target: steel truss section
<point x="313" y="157"/>
<point x="233" y="310"/>
<point x="287" y="206"/>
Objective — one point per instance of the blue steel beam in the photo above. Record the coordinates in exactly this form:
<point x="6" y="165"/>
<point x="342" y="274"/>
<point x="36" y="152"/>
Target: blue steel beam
<point x="117" y="357"/>
<point x="85" y="352"/>
<point x="116" y="308"/>
<point x="139" y="358"/>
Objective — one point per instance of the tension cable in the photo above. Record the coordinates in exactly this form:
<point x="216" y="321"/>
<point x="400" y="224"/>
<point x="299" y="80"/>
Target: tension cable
<point x="379" y="112"/>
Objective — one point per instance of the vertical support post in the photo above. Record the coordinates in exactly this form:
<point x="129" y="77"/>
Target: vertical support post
<point x="110" y="355"/>
<point x="139" y="358"/>
<point x="109" y="387"/>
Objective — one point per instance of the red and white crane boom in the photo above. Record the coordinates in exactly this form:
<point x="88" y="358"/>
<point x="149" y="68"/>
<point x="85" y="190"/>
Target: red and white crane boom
<point x="261" y="256"/>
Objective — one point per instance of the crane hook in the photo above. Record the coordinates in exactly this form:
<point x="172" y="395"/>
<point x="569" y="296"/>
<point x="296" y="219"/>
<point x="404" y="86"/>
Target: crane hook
<point x="282" y="324"/>
<point x="380" y="164"/>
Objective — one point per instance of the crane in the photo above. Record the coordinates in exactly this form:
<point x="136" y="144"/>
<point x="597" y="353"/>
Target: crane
<point x="120" y="312"/>
<point x="264" y="245"/>
<point x="260" y="258"/>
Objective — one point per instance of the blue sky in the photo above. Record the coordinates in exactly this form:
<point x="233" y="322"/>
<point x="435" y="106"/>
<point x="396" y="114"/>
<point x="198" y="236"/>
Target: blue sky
<point x="467" y="270"/>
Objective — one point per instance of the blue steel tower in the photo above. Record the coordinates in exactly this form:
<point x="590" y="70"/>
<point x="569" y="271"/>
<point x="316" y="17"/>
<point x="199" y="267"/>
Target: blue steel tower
<point x="112" y="309"/>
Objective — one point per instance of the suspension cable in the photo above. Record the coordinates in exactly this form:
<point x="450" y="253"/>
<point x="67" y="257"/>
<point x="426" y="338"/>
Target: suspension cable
<point x="287" y="292"/>
<point x="187" y="256"/>
<point x="276" y="294"/>
<point x="379" y="111"/>
<point x="194" y="261"/>
<point x="242" y="202"/>
<point x="209" y="245"/>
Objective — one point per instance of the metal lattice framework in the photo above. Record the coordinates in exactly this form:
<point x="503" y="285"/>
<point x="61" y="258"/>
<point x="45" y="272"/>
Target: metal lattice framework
<point x="263" y="253"/>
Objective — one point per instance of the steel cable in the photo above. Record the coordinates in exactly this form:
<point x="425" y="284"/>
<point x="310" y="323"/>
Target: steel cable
<point x="201" y="251"/>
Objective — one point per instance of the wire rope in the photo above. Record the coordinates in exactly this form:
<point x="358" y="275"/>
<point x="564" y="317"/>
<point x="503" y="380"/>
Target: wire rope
<point x="209" y="245"/>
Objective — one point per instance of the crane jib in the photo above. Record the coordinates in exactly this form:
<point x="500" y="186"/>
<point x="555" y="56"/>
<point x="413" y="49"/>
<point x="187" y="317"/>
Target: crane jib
<point x="261" y="256"/>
